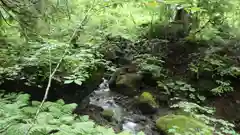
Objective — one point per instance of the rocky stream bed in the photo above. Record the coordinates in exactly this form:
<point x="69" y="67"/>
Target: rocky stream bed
<point x="113" y="109"/>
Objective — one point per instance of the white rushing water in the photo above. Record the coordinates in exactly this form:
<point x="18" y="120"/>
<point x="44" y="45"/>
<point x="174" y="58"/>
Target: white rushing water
<point x="104" y="98"/>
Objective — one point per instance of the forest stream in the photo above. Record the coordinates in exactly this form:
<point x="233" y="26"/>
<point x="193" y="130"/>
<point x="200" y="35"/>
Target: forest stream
<point x="111" y="67"/>
<point x="125" y="117"/>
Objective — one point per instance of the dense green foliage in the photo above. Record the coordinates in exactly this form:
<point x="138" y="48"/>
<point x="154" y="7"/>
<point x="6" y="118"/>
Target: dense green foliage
<point x="59" y="23"/>
<point x="17" y="115"/>
<point x="38" y="36"/>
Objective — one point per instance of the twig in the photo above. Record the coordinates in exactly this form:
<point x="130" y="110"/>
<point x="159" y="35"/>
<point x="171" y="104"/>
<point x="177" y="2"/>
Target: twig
<point x="52" y="74"/>
<point x="54" y="71"/>
<point x="49" y="82"/>
<point x="48" y="87"/>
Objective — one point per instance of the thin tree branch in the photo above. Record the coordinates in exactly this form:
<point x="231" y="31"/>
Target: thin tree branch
<point x="54" y="71"/>
<point x="48" y="87"/>
<point x="49" y="82"/>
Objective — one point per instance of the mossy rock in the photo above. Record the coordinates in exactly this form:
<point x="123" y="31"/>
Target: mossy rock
<point x="107" y="114"/>
<point x="127" y="84"/>
<point x="146" y="103"/>
<point x="147" y="98"/>
<point x="183" y="125"/>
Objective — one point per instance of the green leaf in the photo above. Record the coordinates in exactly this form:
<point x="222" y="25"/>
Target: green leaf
<point x="68" y="108"/>
<point x="192" y="89"/>
<point x="84" y="118"/>
<point x="68" y="77"/>
<point x="79" y="82"/>
<point x="44" y="117"/>
<point x="172" y="130"/>
<point x="68" y="81"/>
<point x="195" y="9"/>
<point x="183" y="88"/>
<point x="84" y="126"/>
<point x="67" y="119"/>
<point x="180" y="83"/>
<point x="202" y="98"/>
<point x="170" y="84"/>
<point x="29" y="110"/>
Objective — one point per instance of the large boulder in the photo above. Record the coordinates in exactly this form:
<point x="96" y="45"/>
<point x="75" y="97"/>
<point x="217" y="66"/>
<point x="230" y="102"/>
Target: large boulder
<point x="182" y="124"/>
<point x="125" y="81"/>
<point x="146" y="103"/>
<point x="128" y="84"/>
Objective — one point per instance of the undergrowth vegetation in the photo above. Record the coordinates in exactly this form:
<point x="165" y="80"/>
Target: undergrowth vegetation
<point x="68" y="41"/>
<point x="64" y="24"/>
<point x="18" y="117"/>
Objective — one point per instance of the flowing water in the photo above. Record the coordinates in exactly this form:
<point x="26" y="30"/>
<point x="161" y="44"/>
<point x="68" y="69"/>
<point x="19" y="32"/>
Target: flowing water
<point x="126" y="117"/>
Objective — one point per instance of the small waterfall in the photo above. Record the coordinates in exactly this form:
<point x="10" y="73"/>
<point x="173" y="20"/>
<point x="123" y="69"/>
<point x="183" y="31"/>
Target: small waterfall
<point x="104" y="85"/>
<point x="104" y="98"/>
